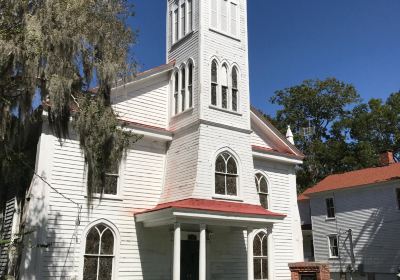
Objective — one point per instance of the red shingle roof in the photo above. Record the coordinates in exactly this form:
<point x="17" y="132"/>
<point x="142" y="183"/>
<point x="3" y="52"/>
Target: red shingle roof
<point x="216" y="206"/>
<point x="357" y="178"/>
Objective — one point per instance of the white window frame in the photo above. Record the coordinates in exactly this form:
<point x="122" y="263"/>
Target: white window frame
<point x="214" y="83"/>
<point x="270" y="254"/>
<point x="190" y="15"/>
<point x="218" y="27"/>
<point x="116" y="196"/>
<point x="117" y="240"/>
<point x="267" y="257"/>
<point x="176" y="28"/>
<point x="326" y="208"/>
<point x="182" y="19"/>
<point x="183" y="88"/>
<point x="190" y="85"/>
<point x="238" y="195"/>
<point x="268" y="194"/>
<point x="231" y="88"/>
<point x="329" y="246"/>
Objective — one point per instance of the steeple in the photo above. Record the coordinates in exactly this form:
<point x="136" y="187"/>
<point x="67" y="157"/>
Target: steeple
<point x="289" y="135"/>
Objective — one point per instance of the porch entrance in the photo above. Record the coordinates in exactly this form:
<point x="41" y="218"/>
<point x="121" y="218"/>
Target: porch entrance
<point x="190" y="259"/>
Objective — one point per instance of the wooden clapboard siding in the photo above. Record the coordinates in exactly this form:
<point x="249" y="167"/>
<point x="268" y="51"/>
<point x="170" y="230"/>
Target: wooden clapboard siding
<point x="144" y="101"/>
<point x="286" y="234"/>
<point x="371" y="212"/>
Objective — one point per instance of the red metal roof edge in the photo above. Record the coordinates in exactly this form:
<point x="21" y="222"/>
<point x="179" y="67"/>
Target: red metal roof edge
<point x="172" y="204"/>
<point x="275" y="152"/>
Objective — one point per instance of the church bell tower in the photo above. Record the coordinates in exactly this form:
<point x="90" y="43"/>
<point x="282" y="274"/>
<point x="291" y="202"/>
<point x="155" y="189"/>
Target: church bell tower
<point x="209" y="95"/>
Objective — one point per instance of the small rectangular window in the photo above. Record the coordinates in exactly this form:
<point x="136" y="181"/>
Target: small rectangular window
<point x="214" y="13"/>
<point x="190" y="15"/>
<point x="183" y="20"/>
<point x="176" y="25"/>
<point x="111" y="179"/>
<point x="333" y="246"/>
<point x="224" y="15"/>
<point x="330" y="208"/>
<point x="398" y="198"/>
<point x="234" y="20"/>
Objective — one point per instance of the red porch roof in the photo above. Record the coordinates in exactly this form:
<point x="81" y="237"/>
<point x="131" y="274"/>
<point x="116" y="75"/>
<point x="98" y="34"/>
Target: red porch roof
<point x="357" y="178"/>
<point x="216" y="206"/>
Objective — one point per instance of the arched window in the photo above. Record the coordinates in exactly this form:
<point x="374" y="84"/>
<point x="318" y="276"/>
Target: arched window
<point x="99" y="253"/>
<point x="176" y="89"/>
<point x="224" y="87"/>
<point x="260" y="254"/>
<point x="226" y="175"/>
<point x="262" y="189"/>
<point x="234" y="89"/>
<point x="214" y="82"/>
<point x="190" y="84"/>
<point x="183" y="88"/>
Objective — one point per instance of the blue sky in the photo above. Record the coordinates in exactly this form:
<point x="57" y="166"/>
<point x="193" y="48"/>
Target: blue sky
<point x="356" y="41"/>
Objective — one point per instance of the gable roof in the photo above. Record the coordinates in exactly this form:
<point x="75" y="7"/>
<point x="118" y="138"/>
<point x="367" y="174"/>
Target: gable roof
<point x="215" y="206"/>
<point x="357" y="178"/>
<point x="291" y="149"/>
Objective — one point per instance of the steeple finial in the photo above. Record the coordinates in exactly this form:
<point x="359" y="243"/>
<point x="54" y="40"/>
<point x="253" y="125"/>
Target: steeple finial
<point x="289" y="135"/>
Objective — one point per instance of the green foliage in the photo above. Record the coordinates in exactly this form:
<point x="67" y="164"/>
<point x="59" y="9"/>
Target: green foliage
<point x="53" y="50"/>
<point x="348" y="135"/>
<point x="103" y="141"/>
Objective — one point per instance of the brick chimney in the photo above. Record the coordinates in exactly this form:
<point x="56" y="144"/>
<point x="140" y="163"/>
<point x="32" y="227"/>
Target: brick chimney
<point x="386" y="158"/>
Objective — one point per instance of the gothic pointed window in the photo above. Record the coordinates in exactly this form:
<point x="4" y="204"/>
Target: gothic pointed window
<point x="260" y="255"/>
<point x="226" y="175"/>
<point x="183" y="89"/>
<point x="224" y="87"/>
<point x="190" y="84"/>
<point x="235" y="90"/>
<point x="214" y="82"/>
<point x="262" y="189"/>
<point x="176" y="90"/>
<point x="99" y="253"/>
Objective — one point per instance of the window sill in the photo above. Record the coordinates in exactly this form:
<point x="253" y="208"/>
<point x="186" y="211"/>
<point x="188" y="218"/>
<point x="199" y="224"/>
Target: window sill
<point x="227" y="197"/>
<point x="187" y="111"/>
<point x="330" y="219"/>
<point x="224" y="34"/>
<point x="107" y="197"/>
<point x="224" y="110"/>
<point x="333" y="258"/>
<point x="181" y="40"/>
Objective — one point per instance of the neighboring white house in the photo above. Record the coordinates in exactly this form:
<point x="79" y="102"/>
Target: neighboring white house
<point x="355" y="219"/>
<point x="209" y="192"/>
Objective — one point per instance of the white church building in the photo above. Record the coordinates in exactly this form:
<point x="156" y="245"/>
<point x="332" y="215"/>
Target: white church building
<point x="208" y="192"/>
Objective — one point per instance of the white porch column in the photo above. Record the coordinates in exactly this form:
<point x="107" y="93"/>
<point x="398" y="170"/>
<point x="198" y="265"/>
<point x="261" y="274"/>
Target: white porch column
<point x="250" y="265"/>
<point x="177" y="252"/>
<point x="202" y="253"/>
